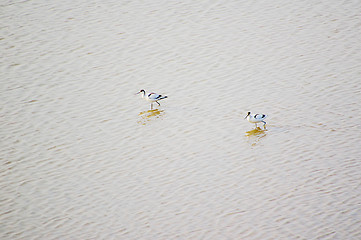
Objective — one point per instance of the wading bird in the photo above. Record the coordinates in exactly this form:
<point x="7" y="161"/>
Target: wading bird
<point x="152" y="97"/>
<point x="256" y="118"/>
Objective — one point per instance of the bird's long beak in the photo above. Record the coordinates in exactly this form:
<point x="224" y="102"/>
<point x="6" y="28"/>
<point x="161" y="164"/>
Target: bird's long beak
<point x="246" y="116"/>
<point x="137" y="93"/>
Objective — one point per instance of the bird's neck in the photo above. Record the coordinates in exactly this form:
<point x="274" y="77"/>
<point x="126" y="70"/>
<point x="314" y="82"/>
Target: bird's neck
<point x="143" y="94"/>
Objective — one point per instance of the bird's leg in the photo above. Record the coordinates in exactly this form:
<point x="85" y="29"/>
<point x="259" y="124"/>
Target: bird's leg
<point x="151" y="106"/>
<point x="255" y="124"/>
<point x="264" y="124"/>
<point x="158" y="103"/>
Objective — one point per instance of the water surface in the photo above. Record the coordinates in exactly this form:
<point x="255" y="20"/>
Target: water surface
<point x="83" y="157"/>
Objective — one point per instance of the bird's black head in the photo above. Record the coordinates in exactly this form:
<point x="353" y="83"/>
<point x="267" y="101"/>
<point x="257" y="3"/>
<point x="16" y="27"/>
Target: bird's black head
<point x="141" y="91"/>
<point x="249" y="113"/>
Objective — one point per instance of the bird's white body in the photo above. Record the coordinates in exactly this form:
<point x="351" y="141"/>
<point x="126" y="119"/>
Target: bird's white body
<point x="256" y="118"/>
<point x="152" y="97"/>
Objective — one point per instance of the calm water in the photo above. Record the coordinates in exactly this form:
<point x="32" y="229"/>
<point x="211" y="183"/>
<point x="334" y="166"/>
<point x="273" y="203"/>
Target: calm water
<point x="82" y="157"/>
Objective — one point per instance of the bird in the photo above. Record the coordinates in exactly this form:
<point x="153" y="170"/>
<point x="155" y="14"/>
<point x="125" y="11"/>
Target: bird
<point x="152" y="97"/>
<point x="257" y="118"/>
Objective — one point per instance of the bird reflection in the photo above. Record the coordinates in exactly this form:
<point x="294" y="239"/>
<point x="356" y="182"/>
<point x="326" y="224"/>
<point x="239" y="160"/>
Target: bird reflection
<point x="255" y="135"/>
<point x="147" y="116"/>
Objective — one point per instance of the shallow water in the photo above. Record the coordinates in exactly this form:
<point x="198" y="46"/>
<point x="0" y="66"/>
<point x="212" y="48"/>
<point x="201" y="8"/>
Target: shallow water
<point x="83" y="157"/>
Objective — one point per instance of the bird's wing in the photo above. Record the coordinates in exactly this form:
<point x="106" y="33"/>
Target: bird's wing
<point x="154" y="96"/>
<point x="260" y="116"/>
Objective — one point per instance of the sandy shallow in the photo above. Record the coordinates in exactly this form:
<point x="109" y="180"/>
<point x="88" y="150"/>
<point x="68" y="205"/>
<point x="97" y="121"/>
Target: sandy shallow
<point x="82" y="157"/>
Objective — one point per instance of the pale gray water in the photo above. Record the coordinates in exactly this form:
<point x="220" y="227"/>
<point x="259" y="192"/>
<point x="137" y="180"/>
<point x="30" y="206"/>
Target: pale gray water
<point x="83" y="158"/>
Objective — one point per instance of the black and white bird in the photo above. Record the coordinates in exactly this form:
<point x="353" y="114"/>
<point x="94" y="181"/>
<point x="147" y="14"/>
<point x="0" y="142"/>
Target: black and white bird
<point x="256" y="118"/>
<point x="152" y="97"/>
